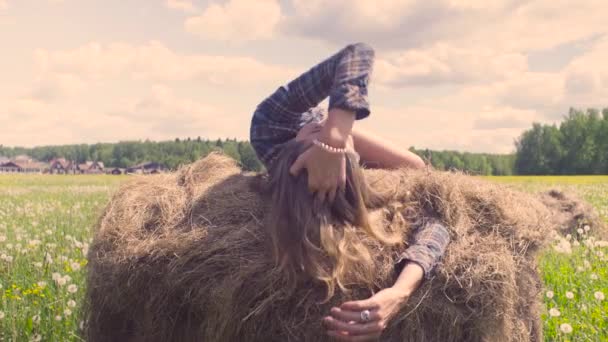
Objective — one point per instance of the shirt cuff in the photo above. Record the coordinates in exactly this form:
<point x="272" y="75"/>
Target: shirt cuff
<point x="421" y="256"/>
<point x="351" y="97"/>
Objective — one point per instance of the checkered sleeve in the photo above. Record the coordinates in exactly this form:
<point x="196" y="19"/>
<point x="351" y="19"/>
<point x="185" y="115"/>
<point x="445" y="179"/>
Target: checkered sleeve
<point x="427" y="246"/>
<point x="343" y="77"/>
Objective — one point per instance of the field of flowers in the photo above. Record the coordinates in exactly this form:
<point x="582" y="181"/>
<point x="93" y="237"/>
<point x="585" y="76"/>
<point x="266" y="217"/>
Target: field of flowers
<point x="45" y="231"/>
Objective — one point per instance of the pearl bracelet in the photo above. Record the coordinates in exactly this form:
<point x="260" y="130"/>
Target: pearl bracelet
<point x="328" y="148"/>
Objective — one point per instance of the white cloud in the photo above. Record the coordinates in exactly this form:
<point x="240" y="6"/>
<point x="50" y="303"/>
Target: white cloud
<point x="181" y="5"/>
<point x="155" y="62"/>
<point x="508" y="25"/>
<point x="158" y="115"/>
<point x="443" y="63"/>
<point x="237" y="20"/>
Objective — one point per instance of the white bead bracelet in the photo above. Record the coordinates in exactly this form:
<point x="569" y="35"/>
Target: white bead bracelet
<point x="328" y="148"/>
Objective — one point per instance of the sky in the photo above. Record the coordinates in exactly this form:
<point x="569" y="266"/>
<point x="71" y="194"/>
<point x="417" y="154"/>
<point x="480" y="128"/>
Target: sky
<point x="449" y="74"/>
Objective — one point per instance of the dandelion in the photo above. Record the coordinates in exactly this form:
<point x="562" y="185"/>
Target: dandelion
<point x="568" y="237"/>
<point x="36" y="319"/>
<point x="550" y="294"/>
<point x="569" y="295"/>
<point x="75" y="266"/>
<point x="67" y="278"/>
<point x="71" y="303"/>
<point x="72" y="288"/>
<point x="580" y="231"/>
<point x="586" y="263"/>
<point x="554" y="312"/>
<point x="565" y="328"/>
<point x="61" y="281"/>
<point x="599" y="295"/>
<point x="58" y="318"/>
<point x="36" y="338"/>
<point x="9" y="246"/>
<point x="587" y="228"/>
<point x="594" y="276"/>
<point x="37" y="264"/>
<point x="2" y="238"/>
<point x="67" y="312"/>
<point x="41" y="284"/>
<point x="55" y="276"/>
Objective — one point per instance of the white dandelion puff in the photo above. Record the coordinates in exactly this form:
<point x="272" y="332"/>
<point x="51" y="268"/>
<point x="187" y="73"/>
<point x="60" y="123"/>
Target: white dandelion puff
<point x="594" y="276"/>
<point x="569" y="295"/>
<point x="72" y="288"/>
<point x="565" y="328"/>
<point x="71" y="303"/>
<point x="580" y="231"/>
<point x="599" y="295"/>
<point x="58" y="318"/>
<point x="554" y="312"/>
<point x="550" y="294"/>
<point x="587" y="228"/>
<point x="42" y="284"/>
<point x="75" y="266"/>
<point x="67" y="312"/>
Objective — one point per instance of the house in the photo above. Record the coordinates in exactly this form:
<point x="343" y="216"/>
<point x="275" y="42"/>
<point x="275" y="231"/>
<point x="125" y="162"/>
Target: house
<point x="91" y="167"/>
<point x="23" y="167"/>
<point x="62" y="166"/>
<point x="146" y="168"/>
<point x="115" y="171"/>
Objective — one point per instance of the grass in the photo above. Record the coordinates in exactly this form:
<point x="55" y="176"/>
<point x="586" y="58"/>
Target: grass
<point x="45" y="229"/>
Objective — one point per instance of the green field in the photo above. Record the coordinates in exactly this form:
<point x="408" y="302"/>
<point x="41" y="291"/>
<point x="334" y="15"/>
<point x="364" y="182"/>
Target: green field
<point x="45" y="229"/>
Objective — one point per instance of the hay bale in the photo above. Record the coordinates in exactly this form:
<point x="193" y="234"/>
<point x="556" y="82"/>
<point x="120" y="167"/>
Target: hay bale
<point x="185" y="257"/>
<point x="570" y="213"/>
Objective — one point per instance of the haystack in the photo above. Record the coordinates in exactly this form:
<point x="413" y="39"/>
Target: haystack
<point x="571" y="213"/>
<point x="185" y="257"/>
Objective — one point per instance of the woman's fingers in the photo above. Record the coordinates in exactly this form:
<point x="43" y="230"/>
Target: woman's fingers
<point x="348" y="316"/>
<point x="354" y="329"/>
<point x="360" y="305"/>
<point x="299" y="164"/>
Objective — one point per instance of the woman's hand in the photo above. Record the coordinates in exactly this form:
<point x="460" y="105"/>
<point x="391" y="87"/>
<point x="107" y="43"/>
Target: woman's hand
<point x="326" y="170"/>
<point x="345" y="323"/>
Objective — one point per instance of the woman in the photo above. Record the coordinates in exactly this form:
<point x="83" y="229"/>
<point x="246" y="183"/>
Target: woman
<point x="326" y="147"/>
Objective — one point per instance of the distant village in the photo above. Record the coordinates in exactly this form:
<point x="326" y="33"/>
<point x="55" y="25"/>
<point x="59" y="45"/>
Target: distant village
<point x="61" y="166"/>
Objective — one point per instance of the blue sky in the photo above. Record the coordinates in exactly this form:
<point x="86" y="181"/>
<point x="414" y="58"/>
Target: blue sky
<point x="450" y="74"/>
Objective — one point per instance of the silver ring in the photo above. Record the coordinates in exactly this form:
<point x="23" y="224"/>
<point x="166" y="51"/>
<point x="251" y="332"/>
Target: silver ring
<point x="365" y="316"/>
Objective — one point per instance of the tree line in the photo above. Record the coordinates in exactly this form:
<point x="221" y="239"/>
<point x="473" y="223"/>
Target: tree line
<point x="172" y="154"/>
<point x="579" y="145"/>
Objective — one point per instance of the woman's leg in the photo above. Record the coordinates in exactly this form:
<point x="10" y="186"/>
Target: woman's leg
<point x="376" y="152"/>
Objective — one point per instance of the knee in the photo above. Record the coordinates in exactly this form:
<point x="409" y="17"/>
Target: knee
<point x="361" y="49"/>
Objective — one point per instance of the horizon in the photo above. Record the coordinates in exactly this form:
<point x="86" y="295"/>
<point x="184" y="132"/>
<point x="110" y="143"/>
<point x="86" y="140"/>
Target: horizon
<point x="454" y="75"/>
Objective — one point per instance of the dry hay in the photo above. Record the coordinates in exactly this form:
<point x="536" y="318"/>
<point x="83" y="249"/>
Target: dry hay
<point x="570" y="213"/>
<point x="185" y="257"/>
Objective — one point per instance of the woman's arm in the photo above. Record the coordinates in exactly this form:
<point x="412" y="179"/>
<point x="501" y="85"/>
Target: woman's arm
<point x="380" y="153"/>
<point x="343" y="77"/>
<point x="427" y="246"/>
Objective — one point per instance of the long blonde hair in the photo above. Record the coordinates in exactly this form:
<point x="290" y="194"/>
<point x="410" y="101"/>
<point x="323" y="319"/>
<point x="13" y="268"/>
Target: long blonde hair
<point x="318" y="240"/>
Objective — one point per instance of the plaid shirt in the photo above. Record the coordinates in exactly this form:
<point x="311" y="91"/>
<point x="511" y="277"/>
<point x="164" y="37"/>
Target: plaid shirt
<point x="344" y="78"/>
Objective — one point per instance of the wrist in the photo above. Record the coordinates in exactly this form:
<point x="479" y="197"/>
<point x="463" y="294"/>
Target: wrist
<point x="337" y="127"/>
